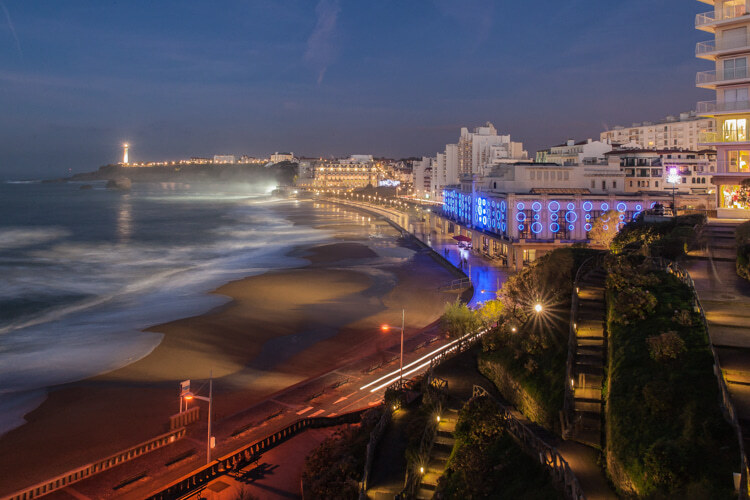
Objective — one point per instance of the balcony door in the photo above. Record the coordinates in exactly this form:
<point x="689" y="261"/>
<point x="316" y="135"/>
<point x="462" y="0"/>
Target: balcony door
<point x="734" y="99"/>
<point x="735" y="68"/>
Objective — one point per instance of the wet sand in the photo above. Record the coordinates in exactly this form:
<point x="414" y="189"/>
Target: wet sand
<point x="280" y="328"/>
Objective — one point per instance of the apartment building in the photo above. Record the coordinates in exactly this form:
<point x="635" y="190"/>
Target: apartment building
<point x="678" y="132"/>
<point x="354" y="172"/>
<point x="729" y="22"/>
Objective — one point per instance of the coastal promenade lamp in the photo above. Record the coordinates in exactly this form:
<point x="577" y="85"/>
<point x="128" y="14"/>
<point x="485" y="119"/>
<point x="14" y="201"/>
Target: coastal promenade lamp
<point x="386" y="328"/>
<point x="674" y="179"/>
<point x="189" y="396"/>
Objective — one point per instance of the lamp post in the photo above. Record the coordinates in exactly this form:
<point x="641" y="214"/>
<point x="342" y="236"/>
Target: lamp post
<point x="189" y="396"/>
<point x="386" y="328"/>
<point x="674" y="179"/>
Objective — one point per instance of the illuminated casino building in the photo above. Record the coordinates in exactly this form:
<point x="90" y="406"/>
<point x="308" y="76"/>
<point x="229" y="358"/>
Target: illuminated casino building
<point x="523" y="210"/>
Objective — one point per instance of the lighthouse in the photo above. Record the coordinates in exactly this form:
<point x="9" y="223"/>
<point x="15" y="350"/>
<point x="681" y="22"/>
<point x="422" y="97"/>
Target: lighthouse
<point x="125" y="153"/>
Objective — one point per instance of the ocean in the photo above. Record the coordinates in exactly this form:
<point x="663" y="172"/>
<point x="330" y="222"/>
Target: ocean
<point x="83" y="272"/>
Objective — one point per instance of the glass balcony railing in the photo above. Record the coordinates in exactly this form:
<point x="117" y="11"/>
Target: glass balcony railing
<point x="720" y="137"/>
<point x="722" y="106"/>
<point x="722" y="14"/>
<point x="714" y="77"/>
<point x="710" y="46"/>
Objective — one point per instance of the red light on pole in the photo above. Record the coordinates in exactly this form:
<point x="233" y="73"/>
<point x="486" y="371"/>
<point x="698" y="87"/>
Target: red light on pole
<point x="385" y="328"/>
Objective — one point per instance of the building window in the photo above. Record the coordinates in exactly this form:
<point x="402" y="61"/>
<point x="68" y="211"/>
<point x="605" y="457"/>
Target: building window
<point x="656" y="183"/>
<point x="614" y="184"/>
<point x="735" y="130"/>
<point x="604" y="184"/>
<point x="631" y="183"/>
<point x="593" y="184"/>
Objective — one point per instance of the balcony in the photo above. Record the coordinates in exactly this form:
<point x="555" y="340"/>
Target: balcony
<point x="707" y="21"/>
<point x="711" y="49"/>
<point x="722" y="107"/>
<point x="710" y="79"/>
<point x="731" y="136"/>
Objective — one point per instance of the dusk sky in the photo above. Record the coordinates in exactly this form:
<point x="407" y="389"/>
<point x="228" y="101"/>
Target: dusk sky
<point x="389" y="78"/>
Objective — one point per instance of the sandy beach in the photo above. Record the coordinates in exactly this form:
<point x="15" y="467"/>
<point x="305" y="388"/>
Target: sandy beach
<point x="279" y="329"/>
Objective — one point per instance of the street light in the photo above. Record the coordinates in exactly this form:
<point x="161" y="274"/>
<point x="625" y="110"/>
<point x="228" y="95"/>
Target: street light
<point x="538" y="308"/>
<point x="674" y="179"/>
<point x="189" y="396"/>
<point x="386" y="328"/>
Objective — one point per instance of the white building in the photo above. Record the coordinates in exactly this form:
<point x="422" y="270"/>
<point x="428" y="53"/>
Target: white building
<point x="225" y="159"/>
<point x="483" y="148"/>
<point x="576" y="153"/>
<point x="474" y="154"/>
<point x="674" y="132"/>
<point x="422" y="177"/>
<point x="279" y="157"/>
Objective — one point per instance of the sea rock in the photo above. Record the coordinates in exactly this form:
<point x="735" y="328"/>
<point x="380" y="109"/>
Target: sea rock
<point x="120" y="183"/>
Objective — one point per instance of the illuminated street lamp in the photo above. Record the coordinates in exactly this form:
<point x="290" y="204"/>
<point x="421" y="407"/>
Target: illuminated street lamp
<point x="538" y="308"/>
<point x="386" y="328"/>
<point x="189" y="396"/>
<point x="674" y="179"/>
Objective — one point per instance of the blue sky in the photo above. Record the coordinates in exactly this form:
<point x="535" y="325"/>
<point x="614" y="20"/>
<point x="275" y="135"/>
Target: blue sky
<point x="391" y="78"/>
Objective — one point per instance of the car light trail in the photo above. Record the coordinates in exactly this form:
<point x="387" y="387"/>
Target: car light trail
<point x="409" y="365"/>
<point x="395" y="373"/>
<point x="389" y="382"/>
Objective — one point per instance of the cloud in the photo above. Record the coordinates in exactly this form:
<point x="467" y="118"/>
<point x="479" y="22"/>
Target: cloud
<point x="12" y="29"/>
<point x="321" y="49"/>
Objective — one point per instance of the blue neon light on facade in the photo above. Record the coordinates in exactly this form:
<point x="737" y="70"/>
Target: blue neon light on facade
<point x="587" y="206"/>
<point x="554" y="227"/>
<point x="536" y="206"/>
<point x="621" y="207"/>
<point x="571" y="217"/>
<point x="604" y="206"/>
<point x="571" y="206"/>
<point x="536" y="228"/>
<point x="553" y="206"/>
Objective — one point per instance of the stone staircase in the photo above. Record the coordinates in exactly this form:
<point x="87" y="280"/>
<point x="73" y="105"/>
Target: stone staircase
<point x="441" y="450"/>
<point x="716" y="242"/>
<point x="590" y="357"/>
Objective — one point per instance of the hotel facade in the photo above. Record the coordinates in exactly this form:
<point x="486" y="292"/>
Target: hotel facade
<point x="520" y="211"/>
<point x="729" y="23"/>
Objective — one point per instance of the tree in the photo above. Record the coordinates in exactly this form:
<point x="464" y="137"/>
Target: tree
<point x="491" y="312"/>
<point x="604" y="229"/>
<point x="459" y="320"/>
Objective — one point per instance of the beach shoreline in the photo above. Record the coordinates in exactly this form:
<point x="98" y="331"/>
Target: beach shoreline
<point x="278" y="329"/>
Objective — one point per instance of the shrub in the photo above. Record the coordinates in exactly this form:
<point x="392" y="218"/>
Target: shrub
<point x="486" y="460"/>
<point x="665" y="429"/>
<point x="333" y="470"/>
<point x="604" y="229"/>
<point x="459" y="320"/>
<point x="668" y="345"/>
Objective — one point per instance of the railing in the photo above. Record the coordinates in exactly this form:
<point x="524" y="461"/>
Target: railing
<point x="246" y="456"/>
<point x="709" y="46"/>
<point x="708" y="77"/>
<point x="679" y="272"/>
<point x="722" y="106"/>
<point x="75" y="475"/>
<point x="569" y="401"/>
<point x="535" y="446"/>
<point x="723" y="14"/>
<point x="375" y="436"/>
<point x="455" y="285"/>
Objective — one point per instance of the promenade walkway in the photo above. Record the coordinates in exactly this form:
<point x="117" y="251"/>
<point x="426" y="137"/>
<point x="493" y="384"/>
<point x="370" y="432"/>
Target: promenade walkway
<point x="486" y="276"/>
<point x="726" y="300"/>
